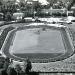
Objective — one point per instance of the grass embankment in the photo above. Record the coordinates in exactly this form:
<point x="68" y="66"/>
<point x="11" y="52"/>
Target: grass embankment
<point x="4" y="34"/>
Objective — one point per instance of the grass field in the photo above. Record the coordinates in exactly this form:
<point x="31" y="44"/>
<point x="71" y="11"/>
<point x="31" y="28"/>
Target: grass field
<point x="38" y="41"/>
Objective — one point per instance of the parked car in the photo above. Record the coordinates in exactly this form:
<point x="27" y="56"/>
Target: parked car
<point x="28" y="19"/>
<point x="71" y="18"/>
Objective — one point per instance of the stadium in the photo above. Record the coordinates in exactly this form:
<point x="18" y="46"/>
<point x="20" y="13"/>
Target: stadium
<point x="39" y="34"/>
<point x="40" y="43"/>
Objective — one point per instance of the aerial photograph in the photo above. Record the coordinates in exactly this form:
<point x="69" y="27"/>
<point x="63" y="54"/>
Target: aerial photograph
<point x="37" y="37"/>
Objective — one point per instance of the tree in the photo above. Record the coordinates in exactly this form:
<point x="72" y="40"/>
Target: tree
<point x="0" y="3"/>
<point x="52" y="2"/>
<point x="36" y="6"/>
<point x="69" y="4"/>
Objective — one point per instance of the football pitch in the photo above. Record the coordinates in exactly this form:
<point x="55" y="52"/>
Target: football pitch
<point x="38" y="41"/>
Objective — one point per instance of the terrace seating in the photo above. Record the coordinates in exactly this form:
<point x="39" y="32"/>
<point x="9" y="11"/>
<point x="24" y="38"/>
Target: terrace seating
<point x="4" y="34"/>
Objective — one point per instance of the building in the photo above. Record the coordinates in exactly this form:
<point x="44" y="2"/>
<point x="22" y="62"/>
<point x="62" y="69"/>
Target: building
<point x="52" y="11"/>
<point x="73" y="9"/>
<point x="8" y="0"/>
<point x="64" y="1"/>
<point x="5" y="1"/>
